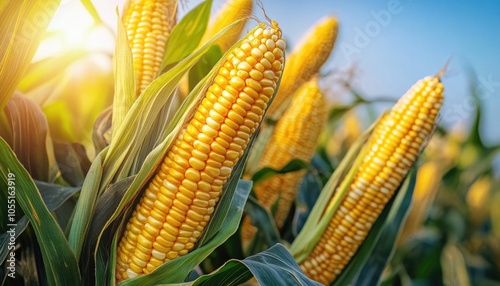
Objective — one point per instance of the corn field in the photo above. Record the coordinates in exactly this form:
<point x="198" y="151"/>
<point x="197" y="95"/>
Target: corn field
<point x="205" y="148"/>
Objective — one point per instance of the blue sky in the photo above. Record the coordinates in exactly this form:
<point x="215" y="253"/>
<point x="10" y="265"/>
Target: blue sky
<point x="393" y="43"/>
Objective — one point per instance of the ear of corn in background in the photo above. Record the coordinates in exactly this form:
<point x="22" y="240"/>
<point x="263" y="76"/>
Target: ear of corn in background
<point x="231" y="11"/>
<point x="305" y="61"/>
<point x="179" y="201"/>
<point x="294" y="137"/>
<point x="392" y="149"/>
<point x="148" y="24"/>
<point x="477" y="199"/>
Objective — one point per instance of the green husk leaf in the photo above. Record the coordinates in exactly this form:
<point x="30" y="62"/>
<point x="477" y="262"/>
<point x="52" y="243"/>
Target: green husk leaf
<point x="369" y="269"/>
<point x="123" y="66"/>
<point x="187" y="34"/>
<point x="104" y="209"/>
<point x="267" y="172"/>
<point x="268" y="267"/>
<point x="329" y="199"/>
<point x="101" y="132"/>
<point x="85" y="205"/>
<point x="23" y="24"/>
<point x="204" y="65"/>
<point x="265" y="133"/>
<point x="158" y="130"/>
<point x="60" y="263"/>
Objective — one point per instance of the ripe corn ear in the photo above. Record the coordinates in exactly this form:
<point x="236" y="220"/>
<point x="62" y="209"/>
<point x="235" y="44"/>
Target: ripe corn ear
<point x="148" y="24"/>
<point x="231" y="11"/>
<point x="393" y="147"/>
<point x="295" y="137"/>
<point x="180" y="199"/>
<point x="477" y="199"/>
<point x="305" y="61"/>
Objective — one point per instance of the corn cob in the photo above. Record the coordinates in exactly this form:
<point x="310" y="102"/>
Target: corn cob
<point x="305" y="61"/>
<point x="392" y="149"/>
<point x="295" y="136"/>
<point x="477" y="199"/>
<point x="180" y="199"/>
<point x="345" y="136"/>
<point x="231" y="11"/>
<point x="148" y="24"/>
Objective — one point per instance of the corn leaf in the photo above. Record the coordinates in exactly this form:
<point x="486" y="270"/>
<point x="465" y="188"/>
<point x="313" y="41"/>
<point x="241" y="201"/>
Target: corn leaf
<point x="72" y="161"/>
<point x="308" y="194"/>
<point x="187" y="34"/>
<point x="30" y="138"/>
<point x="21" y="225"/>
<point x="60" y="263"/>
<point x="104" y="209"/>
<point x="267" y="233"/>
<point x="23" y="24"/>
<point x="53" y="196"/>
<point x="384" y="247"/>
<point x="268" y="267"/>
<point x="85" y="206"/>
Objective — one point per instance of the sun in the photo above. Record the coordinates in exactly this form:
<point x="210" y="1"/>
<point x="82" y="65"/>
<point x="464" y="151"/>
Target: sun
<point x="72" y="28"/>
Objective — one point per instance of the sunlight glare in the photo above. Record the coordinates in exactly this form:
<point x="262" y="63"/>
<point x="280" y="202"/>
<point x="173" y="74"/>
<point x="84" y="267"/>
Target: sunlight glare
<point x="72" y="28"/>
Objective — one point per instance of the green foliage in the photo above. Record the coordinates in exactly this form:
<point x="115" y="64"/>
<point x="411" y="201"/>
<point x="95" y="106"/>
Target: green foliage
<point x="61" y="269"/>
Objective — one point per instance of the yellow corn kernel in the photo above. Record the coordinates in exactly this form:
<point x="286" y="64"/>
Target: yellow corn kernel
<point x="168" y="221"/>
<point x="305" y="61"/>
<point x="295" y="137"/>
<point x="148" y="24"/>
<point x="231" y="11"/>
<point x="392" y="149"/>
